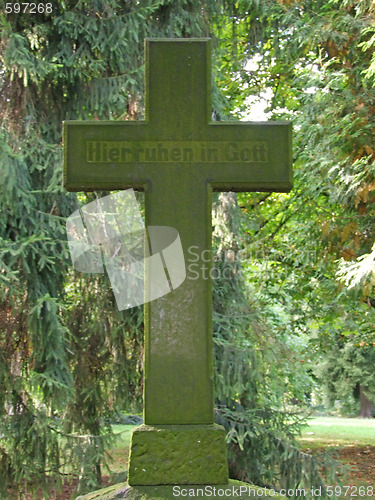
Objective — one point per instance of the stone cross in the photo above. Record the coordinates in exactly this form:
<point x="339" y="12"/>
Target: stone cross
<point x="178" y="157"/>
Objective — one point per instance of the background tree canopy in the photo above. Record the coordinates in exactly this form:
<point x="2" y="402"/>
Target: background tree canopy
<point x="294" y="324"/>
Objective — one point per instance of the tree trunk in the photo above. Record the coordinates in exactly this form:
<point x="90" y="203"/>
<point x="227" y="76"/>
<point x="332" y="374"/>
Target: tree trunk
<point x="367" y="406"/>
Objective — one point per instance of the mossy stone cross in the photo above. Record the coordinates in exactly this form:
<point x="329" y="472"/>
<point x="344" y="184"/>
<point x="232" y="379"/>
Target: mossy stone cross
<point x="178" y="157"/>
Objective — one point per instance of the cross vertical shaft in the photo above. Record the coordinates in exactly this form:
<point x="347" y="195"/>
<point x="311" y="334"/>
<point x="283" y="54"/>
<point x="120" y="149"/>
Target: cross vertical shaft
<point x="178" y="345"/>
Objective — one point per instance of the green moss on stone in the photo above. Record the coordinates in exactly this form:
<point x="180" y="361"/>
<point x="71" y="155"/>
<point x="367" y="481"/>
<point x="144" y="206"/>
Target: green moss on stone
<point x="178" y="454"/>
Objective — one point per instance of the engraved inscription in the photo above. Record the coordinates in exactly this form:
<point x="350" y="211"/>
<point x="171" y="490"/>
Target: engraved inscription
<point x="176" y="152"/>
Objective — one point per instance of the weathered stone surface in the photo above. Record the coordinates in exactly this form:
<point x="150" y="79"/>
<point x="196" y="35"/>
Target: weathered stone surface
<point x="178" y="454"/>
<point x="168" y="493"/>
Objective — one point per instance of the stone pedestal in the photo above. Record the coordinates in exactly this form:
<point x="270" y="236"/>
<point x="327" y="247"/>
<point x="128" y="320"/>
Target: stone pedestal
<point x="178" y="454"/>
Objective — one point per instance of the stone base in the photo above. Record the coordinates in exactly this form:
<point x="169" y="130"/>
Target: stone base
<point x="178" y="454"/>
<point x="231" y="491"/>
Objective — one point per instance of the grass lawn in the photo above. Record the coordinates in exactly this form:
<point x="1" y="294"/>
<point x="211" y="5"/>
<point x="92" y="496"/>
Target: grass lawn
<point x="322" y="432"/>
<point x="354" y="441"/>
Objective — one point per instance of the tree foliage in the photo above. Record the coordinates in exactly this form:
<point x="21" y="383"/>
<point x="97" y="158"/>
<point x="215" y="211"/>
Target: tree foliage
<point x="315" y="59"/>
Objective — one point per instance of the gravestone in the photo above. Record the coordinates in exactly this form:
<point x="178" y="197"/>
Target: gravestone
<point x="178" y="157"/>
